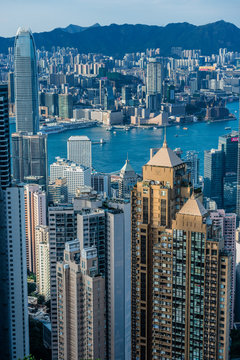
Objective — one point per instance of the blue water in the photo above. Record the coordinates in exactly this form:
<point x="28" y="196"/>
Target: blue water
<point x="136" y="143"/>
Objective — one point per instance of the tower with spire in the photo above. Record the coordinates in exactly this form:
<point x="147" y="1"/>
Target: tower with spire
<point x="176" y="256"/>
<point x="128" y="179"/>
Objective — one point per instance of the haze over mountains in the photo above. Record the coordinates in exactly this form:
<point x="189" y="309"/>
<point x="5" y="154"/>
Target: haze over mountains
<point x="116" y="40"/>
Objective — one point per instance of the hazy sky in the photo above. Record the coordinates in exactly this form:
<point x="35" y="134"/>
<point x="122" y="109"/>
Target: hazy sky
<point x="44" y="15"/>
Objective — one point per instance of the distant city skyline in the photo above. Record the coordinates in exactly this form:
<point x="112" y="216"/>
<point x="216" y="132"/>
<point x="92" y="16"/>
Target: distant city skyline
<point x="39" y="15"/>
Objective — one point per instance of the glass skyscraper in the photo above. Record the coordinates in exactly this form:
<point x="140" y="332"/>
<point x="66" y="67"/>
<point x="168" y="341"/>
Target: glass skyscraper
<point x="26" y="82"/>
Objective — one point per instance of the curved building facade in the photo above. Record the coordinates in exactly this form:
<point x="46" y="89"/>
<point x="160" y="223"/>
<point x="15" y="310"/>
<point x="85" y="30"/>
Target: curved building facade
<point x="26" y="82"/>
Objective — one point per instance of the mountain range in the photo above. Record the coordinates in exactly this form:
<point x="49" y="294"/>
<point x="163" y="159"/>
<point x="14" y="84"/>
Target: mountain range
<point x="116" y="40"/>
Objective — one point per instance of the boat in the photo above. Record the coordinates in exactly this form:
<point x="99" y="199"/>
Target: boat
<point x="127" y="128"/>
<point x="114" y="132"/>
<point x="176" y="135"/>
<point x="109" y="128"/>
<point x="228" y="128"/>
<point x="154" y="128"/>
<point x="185" y="128"/>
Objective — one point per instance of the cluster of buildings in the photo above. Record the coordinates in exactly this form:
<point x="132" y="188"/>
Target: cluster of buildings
<point x="141" y="269"/>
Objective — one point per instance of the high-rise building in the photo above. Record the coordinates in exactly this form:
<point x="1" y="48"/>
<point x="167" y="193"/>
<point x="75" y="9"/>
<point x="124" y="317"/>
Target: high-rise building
<point x="227" y="223"/>
<point x="76" y="176"/>
<point x="154" y="84"/>
<point x="229" y="144"/>
<point x="11" y="95"/>
<point x="14" y="337"/>
<point x="57" y="191"/>
<point x="17" y="274"/>
<point x="62" y="228"/>
<point x="192" y="161"/>
<point x="79" y="150"/>
<point x="35" y="214"/>
<point x="81" y="300"/>
<point x="65" y="106"/>
<point x="101" y="183"/>
<point x="128" y="179"/>
<point x="238" y="174"/>
<point x="26" y="82"/>
<point x="43" y="260"/>
<point x="5" y="166"/>
<point x="180" y="307"/>
<point x="29" y="158"/>
<point x="213" y="175"/>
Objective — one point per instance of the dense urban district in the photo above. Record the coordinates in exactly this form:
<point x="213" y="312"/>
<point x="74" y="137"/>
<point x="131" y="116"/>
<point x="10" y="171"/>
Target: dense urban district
<point x="123" y="265"/>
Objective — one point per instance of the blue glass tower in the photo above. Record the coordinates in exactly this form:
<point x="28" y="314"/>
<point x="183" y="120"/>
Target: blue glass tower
<point x="26" y="82"/>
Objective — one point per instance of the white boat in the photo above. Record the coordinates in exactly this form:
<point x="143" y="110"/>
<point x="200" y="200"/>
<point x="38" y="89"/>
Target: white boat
<point x="109" y="128"/>
<point x="154" y="128"/>
<point x="114" y="132"/>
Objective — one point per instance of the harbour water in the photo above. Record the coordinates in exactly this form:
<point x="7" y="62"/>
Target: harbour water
<point x="136" y="143"/>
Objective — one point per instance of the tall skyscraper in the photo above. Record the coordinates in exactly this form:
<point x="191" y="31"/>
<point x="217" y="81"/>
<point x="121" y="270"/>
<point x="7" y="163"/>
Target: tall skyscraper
<point x="238" y="172"/>
<point x="81" y="300"/>
<point x="65" y="106"/>
<point x="5" y="177"/>
<point x="18" y="314"/>
<point x="176" y="255"/>
<point x="29" y="158"/>
<point x="35" y="214"/>
<point x="192" y="161"/>
<point x="227" y="223"/>
<point x="154" y="84"/>
<point x="5" y="166"/>
<point x="213" y="175"/>
<point x="79" y="150"/>
<point x="62" y="228"/>
<point x="14" y="337"/>
<point x="26" y="82"/>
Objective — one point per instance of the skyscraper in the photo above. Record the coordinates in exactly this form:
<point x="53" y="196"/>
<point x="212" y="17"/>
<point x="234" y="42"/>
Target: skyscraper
<point x="29" y="158"/>
<point x="35" y="214"/>
<point x="176" y="256"/>
<point x="79" y="150"/>
<point x="26" y="82"/>
<point x="42" y="260"/>
<point x="18" y="314"/>
<point x="5" y="166"/>
<point x="81" y="300"/>
<point x="154" y="84"/>
<point x="14" y="338"/>
<point x="213" y="175"/>
<point x="128" y="179"/>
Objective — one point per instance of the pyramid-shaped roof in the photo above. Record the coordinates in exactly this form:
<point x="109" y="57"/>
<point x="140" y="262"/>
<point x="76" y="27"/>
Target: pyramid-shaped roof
<point x="165" y="157"/>
<point x="193" y="207"/>
<point x="127" y="167"/>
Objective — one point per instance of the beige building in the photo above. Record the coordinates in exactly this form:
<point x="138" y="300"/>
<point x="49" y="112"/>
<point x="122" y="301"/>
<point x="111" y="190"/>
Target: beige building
<point x="80" y="305"/>
<point x="42" y="261"/>
<point x="181" y="278"/>
<point x="35" y="214"/>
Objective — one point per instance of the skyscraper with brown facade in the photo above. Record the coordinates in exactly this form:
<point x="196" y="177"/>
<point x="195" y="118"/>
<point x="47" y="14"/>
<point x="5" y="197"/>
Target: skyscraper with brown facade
<point x="181" y="277"/>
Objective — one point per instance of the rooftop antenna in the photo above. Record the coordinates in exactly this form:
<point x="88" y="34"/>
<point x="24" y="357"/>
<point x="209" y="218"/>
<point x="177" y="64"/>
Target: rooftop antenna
<point x="165" y="137"/>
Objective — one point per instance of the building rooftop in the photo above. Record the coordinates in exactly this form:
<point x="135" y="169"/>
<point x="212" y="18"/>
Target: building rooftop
<point x="165" y="157"/>
<point x="77" y="138"/>
<point x="193" y="207"/>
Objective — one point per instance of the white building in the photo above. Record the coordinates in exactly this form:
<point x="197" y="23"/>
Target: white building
<point x="43" y="261"/>
<point x="76" y="176"/>
<point x="79" y="150"/>
<point x="19" y="330"/>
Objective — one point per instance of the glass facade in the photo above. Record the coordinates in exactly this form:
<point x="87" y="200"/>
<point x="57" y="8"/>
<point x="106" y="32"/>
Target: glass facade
<point x="26" y="82"/>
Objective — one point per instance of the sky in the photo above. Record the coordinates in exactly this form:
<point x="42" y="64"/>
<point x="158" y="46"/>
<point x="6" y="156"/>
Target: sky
<point x="45" y="15"/>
